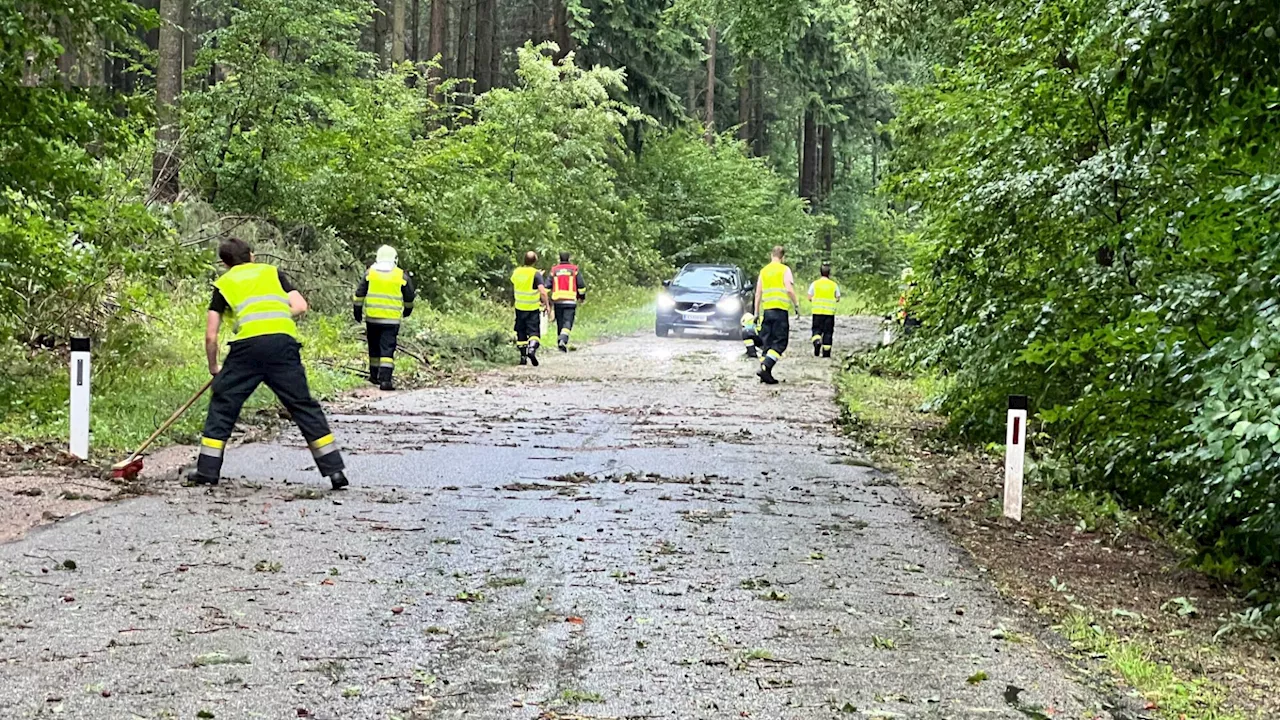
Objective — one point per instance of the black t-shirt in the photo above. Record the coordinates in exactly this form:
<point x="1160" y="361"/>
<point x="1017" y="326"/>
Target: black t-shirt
<point x="219" y="304"/>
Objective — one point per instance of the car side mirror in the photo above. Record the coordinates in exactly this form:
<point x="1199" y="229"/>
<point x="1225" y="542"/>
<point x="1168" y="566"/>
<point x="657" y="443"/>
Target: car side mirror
<point x="749" y="286"/>
<point x="666" y="283"/>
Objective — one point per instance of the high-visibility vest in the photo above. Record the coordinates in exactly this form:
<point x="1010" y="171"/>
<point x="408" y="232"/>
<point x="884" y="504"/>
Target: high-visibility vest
<point x="384" y="303"/>
<point x="824" y="296"/>
<point x="773" y="287"/>
<point x="527" y="296"/>
<point x="258" y="304"/>
<point x="564" y="283"/>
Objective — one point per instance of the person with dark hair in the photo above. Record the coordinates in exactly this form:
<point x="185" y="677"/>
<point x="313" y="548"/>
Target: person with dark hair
<point x="567" y="290"/>
<point x="531" y="302"/>
<point x="382" y="301"/>
<point x="824" y="295"/>
<point x="261" y="304"/>
<point x="775" y="298"/>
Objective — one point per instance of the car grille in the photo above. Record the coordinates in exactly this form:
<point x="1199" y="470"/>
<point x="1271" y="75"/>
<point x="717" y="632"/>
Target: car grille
<point x="695" y="307"/>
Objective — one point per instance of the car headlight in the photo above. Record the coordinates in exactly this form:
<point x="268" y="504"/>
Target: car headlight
<point x="729" y="305"/>
<point x="666" y="302"/>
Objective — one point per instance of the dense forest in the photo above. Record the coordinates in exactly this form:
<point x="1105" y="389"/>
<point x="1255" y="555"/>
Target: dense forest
<point x="1088" y="189"/>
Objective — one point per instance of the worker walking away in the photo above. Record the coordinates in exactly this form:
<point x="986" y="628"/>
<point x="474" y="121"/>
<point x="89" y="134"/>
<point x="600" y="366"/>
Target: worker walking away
<point x="567" y="290"/>
<point x="824" y="293"/>
<point x="750" y="335"/>
<point x="531" y="302"/>
<point x="776" y="297"/>
<point x="261" y="305"/>
<point x="382" y="301"/>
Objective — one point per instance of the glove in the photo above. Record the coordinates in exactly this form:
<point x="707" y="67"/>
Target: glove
<point x="359" y="313"/>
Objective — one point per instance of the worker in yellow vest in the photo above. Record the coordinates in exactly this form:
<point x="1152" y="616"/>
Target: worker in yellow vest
<point x="383" y="300"/>
<point x="261" y="305"/>
<point x="775" y="298"/>
<point x="824" y="293"/>
<point x="530" y="292"/>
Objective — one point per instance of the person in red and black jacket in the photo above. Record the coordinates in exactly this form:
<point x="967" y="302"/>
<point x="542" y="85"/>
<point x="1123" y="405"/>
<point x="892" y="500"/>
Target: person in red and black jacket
<point x="567" y="290"/>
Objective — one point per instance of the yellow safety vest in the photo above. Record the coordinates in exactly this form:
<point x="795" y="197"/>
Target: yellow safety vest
<point x="258" y="303"/>
<point x="824" y="296"/>
<point x="527" y="296"/>
<point x="773" y="287"/>
<point x="384" y="303"/>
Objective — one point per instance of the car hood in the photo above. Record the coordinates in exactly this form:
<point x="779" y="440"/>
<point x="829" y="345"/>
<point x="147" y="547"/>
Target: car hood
<point x="696" y="295"/>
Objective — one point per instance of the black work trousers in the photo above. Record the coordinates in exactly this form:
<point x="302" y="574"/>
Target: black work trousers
<point x="775" y="333"/>
<point x="382" y="351"/>
<point x="565" y="314"/>
<point x="277" y="361"/>
<point x="824" y="330"/>
<point x="528" y="330"/>
<point x="751" y="339"/>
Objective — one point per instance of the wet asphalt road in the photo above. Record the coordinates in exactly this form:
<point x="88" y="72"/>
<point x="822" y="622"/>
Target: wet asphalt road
<point x="636" y="530"/>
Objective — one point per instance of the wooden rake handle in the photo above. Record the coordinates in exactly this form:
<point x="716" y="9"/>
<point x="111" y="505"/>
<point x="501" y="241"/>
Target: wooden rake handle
<point x="173" y="418"/>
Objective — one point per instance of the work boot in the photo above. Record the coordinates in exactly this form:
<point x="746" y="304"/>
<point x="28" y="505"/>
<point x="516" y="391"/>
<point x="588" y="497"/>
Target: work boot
<point x="338" y="480"/>
<point x="817" y="349"/>
<point x="192" y="478"/>
<point x="386" y="385"/>
<point x="751" y="353"/>
<point x="563" y="347"/>
<point x="533" y="357"/>
<point x="826" y="352"/>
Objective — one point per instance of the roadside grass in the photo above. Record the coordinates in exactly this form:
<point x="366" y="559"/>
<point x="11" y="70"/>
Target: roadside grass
<point x="150" y="368"/>
<point x="1115" y="584"/>
<point x="613" y="314"/>
<point x="137" y="387"/>
<point x="1173" y="696"/>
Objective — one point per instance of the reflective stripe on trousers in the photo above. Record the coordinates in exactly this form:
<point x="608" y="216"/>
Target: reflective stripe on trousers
<point x="212" y="448"/>
<point x="322" y="446"/>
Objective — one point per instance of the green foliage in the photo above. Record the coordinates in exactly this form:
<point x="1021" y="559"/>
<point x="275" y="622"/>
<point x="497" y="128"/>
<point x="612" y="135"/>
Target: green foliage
<point x="49" y="127"/>
<point x="713" y="203"/>
<point x="1090" y="245"/>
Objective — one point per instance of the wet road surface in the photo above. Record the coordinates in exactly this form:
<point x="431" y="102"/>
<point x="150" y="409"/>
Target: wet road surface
<point x="636" y="530"/>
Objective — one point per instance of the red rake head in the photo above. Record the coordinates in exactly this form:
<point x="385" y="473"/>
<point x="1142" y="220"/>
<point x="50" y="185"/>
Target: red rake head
<point x="127" y="470"/>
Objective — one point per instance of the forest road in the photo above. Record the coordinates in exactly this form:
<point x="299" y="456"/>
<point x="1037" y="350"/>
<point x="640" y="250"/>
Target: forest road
<point x="635" y="530"/>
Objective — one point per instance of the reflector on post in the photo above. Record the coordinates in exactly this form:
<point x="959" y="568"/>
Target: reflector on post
<point x="1015" y="445"/>
<point x="80" y="368"/>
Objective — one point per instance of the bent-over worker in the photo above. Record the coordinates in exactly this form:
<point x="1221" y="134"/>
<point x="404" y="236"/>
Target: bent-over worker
<point x="261" y="305"/>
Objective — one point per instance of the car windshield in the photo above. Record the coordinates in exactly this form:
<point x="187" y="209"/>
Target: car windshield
<point x="705" y="277"/>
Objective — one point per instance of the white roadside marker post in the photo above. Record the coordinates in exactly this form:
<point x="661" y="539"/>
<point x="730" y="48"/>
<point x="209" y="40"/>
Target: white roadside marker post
<point x="888" y="331"/>
<point x="80" y="367"/>
<point x="1015" y="450"/>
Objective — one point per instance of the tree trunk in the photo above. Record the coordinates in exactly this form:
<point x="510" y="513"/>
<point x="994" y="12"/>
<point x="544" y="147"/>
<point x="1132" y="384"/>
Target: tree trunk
<point x="466" y="9"/>
<point x="439" y="30"/>
<point x="398" y="18"/>
<point x="561" y="34"/>
<point x="380" y="27"/>
<point x="495" y="45"/>
<point x="188" y="25"/>
<point x="808" y="155"/>
<point x="744" y="104"/>
<point x="709" y="112"/>
<point x="415" y="31"/>
<point x="164" y="164"/>
<point x="691" y="94"/>
<point x="828" y="167"/>
<point x="484" y="46"/>
<point x="759" y="137"/>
